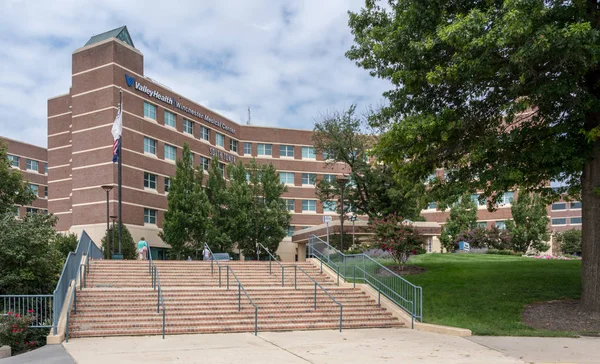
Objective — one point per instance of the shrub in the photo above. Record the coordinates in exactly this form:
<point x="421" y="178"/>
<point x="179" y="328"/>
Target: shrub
<point x="502" y="252"/>
<point x="493" y="238"/>
<point x="66" y="243"/>
<point x="128" y="246"/>
<point x="16" y="333"/>
<point x="399" y="239"/>
<point x="569" y="241"/>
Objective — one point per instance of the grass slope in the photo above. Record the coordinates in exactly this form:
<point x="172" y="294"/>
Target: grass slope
<point x="487" y="293"/>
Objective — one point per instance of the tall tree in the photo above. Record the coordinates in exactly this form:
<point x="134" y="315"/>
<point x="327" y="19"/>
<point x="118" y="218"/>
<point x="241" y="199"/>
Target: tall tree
<point x="269" y="218"/>
<point x="463" y="217"/>
<point x="503" y="93"/>
<point x="128" y="245"/>
<point x="187" y="217"/>
<point x="13" y="190"/>
<point x="374" y="190"/>
<point x="529" y="227"/>
<point x="218" y="236"/>
<point x="240" y="207"/>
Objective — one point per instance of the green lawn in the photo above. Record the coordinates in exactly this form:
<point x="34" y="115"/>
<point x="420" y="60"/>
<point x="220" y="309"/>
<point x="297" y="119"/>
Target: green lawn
<point x="487" y="293"/>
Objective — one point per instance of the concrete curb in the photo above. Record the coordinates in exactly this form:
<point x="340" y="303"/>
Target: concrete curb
<point x="5" y="352"/>
<point x="396" y="311"/>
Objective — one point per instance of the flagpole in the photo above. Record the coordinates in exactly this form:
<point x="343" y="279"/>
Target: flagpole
<point x="120" y="165"/>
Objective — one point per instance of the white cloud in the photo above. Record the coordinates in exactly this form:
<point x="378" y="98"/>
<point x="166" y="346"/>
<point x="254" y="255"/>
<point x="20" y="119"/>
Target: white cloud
<point x="285" y="60"/>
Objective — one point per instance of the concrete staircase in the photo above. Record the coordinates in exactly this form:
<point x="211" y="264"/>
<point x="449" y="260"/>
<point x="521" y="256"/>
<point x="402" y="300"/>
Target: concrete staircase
<point x="119" y="300"/>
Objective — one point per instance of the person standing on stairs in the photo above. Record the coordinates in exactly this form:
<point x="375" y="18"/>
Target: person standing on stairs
<point x="142" y="249"/>
<point x="206" y="253"/>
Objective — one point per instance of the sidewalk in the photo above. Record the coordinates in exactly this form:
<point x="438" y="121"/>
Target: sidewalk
<point x="545" y="349"/>
<point x="49" y="354"/>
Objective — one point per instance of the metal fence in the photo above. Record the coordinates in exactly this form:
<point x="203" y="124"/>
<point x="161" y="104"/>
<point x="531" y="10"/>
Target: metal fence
<point x="71" y="271"/>
<point x="38" y="307"/>
<point x="362" y="268"/>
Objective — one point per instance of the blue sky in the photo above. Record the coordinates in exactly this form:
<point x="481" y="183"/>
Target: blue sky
<point x="284" y="60"/>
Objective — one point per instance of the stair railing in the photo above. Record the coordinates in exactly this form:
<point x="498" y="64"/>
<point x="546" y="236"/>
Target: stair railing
<point x="212" y="260"/>
<point x="406" y="295"/>
<point x="271" y="259"/>
<point x="240" y="290"/>
<point x="160" y="300"/>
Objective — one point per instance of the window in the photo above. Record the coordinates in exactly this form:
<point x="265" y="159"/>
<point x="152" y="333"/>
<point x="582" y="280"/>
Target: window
<point x="220" y="140"/>
<point x="326" y="155"/>
<point x="46" y="191"/>
<point x="188" y="126"/>
<point x="309" y="178"/>
<point x="34" y="189"/>
<point x="149" y="110"/>
<point x="501" y="225"/>
<point x="149" y="216"/>
<point x="291" y="205"/>
<point x="31" y="210"/>
<point x="559" y="206"/>
<point x="16" y="211"/>
<point x="170" y="119"/>
<point x="167" y="184"/>
<point x="508" y="197"/>
<point x="329" y="206"/>
<point x="432" y="206"/>
<point x="309" y="205"/>
<point x="248" y="176"/>
<point x="233" y="145"/>
<point x="291" y="230"/>
<point x="482" y="224"/>
<point x="248" y="148"/>
<point x="286" y="150"/>
<point x="265" y="149"/>
<point x="170" y="152"/>
<point x="13" y="160"/>
<point x="308" y="153"/>
<point x="560" y="221"/>
<point x="32" y="165"/>
<point x="329" y="177"/>
<point x="222" y="168"/>
<point x="46" y="168"/>
<point x="149" y="180"/>
<point x="149" y="146"/>
<point x="204" y="133"/>
<point x="286" y="177"/>
<point x="575" y="205"/>
<point x="205" y="163"/>
<point x="576" y="221"/>
<point x="475" y="198"/>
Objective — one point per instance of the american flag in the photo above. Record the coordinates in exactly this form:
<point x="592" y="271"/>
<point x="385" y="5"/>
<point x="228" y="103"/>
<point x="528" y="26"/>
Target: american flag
<point x="117" y="129"/>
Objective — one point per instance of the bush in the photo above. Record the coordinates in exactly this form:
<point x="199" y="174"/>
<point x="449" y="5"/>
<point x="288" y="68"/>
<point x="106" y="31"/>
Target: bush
<point x="128" y="246"/>
<point x="569" y="241"/>
<point x="502" y="252"/>
<point x="493" y="238"/>
<point x="334" y="241"/>
<point x="16" y="333"/>
<point x="66" y="243"/>
<point x="399" y="239"/>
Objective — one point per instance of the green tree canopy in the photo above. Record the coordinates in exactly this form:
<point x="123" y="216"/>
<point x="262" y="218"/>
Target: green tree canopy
<point x="220" y="228"/>
<point x="499" y="93"/>
<point x="373" y="190"/>
<point x="529" y="227"/>
<point x="128" y="245"/>
<point x="13" y="190"/>
<point x="186" y="220"/>
<point x="463" y="217"/>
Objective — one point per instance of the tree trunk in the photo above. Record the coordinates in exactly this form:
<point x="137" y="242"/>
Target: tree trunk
<point x="590" y="213"/>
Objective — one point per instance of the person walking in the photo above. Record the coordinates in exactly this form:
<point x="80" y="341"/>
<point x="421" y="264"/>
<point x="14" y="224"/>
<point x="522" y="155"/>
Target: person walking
<point x="142" y="249"/>
<point x="206" y="253"/>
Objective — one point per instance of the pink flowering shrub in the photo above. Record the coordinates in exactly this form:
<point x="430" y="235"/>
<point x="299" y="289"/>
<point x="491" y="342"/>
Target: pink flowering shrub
<point x="556" y="257"/>
<point x="15" y="332"/>
<point x="400" y="239"/>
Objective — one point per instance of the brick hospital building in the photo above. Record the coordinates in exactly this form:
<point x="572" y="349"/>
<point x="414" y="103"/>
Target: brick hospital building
<point x="157" y="121"/>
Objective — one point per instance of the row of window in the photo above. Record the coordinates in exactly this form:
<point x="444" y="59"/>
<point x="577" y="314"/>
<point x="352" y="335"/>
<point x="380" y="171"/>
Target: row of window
<point x="576" y="205"/>
<point x="507" y="199"/>
<point x="29" y="210"/>
<point x="563" y="221"/>
<point x="31" y="164"/>
<point x="35" y="189"/>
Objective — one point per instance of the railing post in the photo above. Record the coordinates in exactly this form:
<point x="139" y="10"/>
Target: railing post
<point x="158" y="301"/>
<point x="75" y="300"/>
<point x="321" y="265"/>
<point x="239" y="296"/>
<point x="163" y="323"/>
<point x="255" y="320"/>
<point x="270" y="272"/>
<point x="228" y="278"/>
<point x="338" y="276"/>
<point x="315" y="296"/>
<point x="354" y="280"/>
<point x="379" y="295"/>
<point x="340" y="318"/>
<point x="85" y="273"/>
<point x="80" y="278"/>
<point x="219" y="276"/>
<point x="295" y="276"/>
<point x="345" y="271"/>
<point x="54" y="310"/>
<point x="282" y="275"/>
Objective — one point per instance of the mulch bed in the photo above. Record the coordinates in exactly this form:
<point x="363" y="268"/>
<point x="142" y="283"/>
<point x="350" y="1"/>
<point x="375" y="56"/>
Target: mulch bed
<point x="562" y="315"/>
<point x="408" y="270"/>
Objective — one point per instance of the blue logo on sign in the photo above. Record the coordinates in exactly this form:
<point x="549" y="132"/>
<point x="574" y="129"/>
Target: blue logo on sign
<point x="129" y="80"/>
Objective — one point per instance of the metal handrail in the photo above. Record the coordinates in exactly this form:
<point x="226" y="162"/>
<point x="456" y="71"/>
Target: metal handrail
<point x="324" y="290"/>
<point x="410" y="297"/>
<point x="329" y="263"/>
<point x="72" y="303"/>
<point x="212" y="259"/>
<point x="240" y="289"/>
<point x="153" y="271"/>
<point x="271" y="258"/>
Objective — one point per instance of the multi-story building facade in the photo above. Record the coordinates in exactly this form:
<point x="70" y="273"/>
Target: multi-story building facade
<point x="32" y="161"/>
<point x="157" y="121"/>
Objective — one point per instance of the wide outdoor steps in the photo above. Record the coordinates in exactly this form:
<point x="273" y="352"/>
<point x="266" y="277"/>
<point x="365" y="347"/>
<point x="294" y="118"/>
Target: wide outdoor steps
<point x="112" y="312"/>
<point x="118" y="299"/>
<point x="200" y="274"/>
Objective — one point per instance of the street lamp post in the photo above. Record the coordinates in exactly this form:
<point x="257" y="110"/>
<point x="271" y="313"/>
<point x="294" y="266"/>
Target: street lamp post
<point x="342" y="182"/>
<point x="113" y="218"/>
<point x="107" y="188"/>
<point x="353" y="218"/>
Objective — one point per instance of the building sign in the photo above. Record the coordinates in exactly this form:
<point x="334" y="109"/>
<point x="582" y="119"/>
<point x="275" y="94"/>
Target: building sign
<point x="131" y="82"/>
<point x="222" y="156"/>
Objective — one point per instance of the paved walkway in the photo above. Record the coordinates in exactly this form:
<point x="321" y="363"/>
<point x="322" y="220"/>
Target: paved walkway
<point x="49" y="354"/>
<point x="351" y="346"/>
